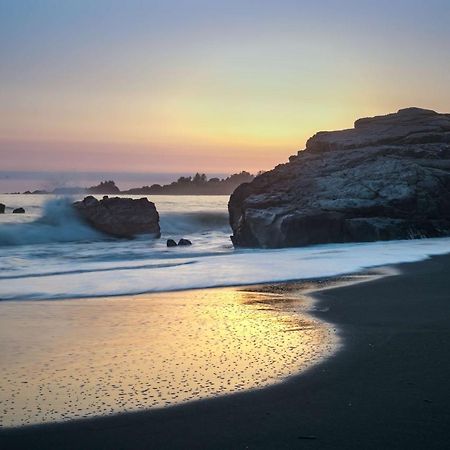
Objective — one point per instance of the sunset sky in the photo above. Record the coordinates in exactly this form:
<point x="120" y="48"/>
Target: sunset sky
<point x="217" y="86"/>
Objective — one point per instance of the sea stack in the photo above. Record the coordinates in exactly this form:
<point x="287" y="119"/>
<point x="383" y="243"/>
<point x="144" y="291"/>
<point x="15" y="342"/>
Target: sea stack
<point x="386" y="178"/>
<point x="121" y="217"/>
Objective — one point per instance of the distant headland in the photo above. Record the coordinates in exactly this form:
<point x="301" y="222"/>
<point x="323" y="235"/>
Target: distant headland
<point x="199" y="184"/>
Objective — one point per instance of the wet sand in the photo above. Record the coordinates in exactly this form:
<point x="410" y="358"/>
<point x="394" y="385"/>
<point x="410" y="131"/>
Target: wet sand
<point x="387" y="388"/>
<point x="62" y="360"/>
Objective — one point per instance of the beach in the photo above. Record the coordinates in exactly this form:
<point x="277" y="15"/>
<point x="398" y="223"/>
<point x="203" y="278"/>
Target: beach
<point x="68" y="359"/>
<point x="385" y="388"/>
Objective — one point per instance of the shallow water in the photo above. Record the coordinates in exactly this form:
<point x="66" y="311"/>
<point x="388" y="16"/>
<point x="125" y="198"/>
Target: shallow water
<point x="68" y="359"/>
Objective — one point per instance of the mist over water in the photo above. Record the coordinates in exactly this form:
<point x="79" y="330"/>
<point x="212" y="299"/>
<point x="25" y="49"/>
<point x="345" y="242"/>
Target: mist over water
<point x="48" y="253"/>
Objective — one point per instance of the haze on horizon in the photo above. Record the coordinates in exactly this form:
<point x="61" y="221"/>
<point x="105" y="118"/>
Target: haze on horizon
<point x="181" y="86"/>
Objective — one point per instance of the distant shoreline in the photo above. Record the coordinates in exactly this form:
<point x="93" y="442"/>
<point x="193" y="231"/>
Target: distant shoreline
<point x="198" y="184"/>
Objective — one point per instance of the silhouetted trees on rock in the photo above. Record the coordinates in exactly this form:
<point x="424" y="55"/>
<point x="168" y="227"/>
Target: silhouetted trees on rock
<point x="105" y="187"/>
<point x="199" y="184"/>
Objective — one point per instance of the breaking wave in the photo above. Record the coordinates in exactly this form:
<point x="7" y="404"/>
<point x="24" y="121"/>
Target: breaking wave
<point x="58" y="223"/>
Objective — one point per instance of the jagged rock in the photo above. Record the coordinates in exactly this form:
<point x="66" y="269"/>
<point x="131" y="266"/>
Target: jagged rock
<point x="171" y="243"/>
<point x="122" y="217"/>
<point x="2" y="208"/>
<point x="184" y="242"/>
<point x="387" y="178"/>
<point x="18" y="211"/>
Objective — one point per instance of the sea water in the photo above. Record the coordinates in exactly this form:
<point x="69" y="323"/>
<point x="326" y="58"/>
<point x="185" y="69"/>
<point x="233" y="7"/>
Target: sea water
<point x="47" y="253"/>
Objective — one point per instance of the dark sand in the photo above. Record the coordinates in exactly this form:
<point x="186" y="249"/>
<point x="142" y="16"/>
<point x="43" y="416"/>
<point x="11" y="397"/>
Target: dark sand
<point x="389" y="388"/>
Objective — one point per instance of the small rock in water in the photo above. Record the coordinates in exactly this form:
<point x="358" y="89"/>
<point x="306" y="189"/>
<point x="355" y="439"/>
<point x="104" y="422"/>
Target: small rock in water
<point x="19" y="211"/>
<point x="184" y="242"/>
<point x="2" y="208"/>
<point x="171" y="243"/>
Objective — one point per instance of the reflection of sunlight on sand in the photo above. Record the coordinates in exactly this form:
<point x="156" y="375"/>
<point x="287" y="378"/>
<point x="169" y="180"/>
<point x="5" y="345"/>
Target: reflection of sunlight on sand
<point x="78" y="358"/>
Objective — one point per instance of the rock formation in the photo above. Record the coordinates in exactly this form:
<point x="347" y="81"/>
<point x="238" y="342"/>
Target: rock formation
<point x="2" y="208"/>
<point x="18" y="211"/>
<point x="182" y="242"/>
<point x="387" y="178"/>
<point x="105" y="187"/>
<point x="121" y="217"/>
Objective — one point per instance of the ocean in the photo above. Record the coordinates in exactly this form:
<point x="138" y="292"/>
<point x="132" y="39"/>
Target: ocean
<point x="47" y="253"/>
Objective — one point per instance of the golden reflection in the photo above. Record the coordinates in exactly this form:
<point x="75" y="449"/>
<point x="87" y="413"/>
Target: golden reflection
<point x="78" y="358"/>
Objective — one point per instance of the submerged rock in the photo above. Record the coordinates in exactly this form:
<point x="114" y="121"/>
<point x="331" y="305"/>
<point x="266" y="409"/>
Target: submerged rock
<point x="184" y="242"/>
<point x="171" y="243"/>
<point x="18" y="211"/>
<point x="122" y="217"/>
<point x="2" y="208"/>
<point x="387" y="178"/>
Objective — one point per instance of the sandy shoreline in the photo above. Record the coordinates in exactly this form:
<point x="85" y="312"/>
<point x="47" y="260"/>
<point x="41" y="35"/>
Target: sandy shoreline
<point x="388" y="388"/>
<point x="72" y="359"/>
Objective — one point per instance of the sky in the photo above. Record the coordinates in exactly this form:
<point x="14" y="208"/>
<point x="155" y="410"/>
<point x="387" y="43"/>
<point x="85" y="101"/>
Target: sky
<point x="211" y="86"/>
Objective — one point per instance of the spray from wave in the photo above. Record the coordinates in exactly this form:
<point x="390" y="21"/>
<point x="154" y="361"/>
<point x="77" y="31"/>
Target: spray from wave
<point x="58" y="223"/>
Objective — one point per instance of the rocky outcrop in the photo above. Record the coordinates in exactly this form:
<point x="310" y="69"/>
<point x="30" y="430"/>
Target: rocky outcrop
<point x="18" y="211"/>
<point x="182" y="242"/>
<point x="387" y="178"/>
<point x="171" y="243"/>
<point x="2" y="208"/>
<point x="121" y="217"/>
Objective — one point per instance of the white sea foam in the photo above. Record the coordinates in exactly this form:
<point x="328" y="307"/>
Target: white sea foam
<point x="237" y="268"/>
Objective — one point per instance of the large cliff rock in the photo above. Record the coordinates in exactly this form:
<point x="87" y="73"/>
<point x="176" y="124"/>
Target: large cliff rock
<point x="121" y="217"/>
<point x="387" y="178"/>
